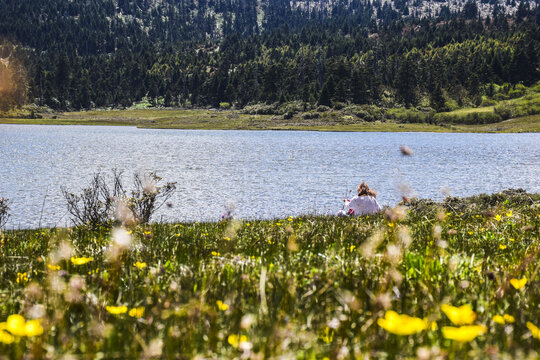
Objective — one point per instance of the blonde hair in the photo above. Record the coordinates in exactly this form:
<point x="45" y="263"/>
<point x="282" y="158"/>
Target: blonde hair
<point x="364" y="190"/>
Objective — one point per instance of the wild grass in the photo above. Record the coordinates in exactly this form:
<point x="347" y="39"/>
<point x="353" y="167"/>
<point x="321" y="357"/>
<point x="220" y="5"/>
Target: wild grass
<point x="304" y="287"/>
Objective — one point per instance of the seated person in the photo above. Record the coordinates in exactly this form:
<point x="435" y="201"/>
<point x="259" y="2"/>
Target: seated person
<point x="365" y="203"/>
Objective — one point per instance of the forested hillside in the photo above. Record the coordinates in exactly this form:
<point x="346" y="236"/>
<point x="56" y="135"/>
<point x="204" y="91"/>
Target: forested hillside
<point x="107" y="53"/>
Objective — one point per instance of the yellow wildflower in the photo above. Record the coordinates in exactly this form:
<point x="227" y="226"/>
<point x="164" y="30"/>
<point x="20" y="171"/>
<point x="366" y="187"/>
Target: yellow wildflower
<point x="463" y="333"/>
<point x="248" y="224"/>
<point x="15" y="324"/>
<point x="502" y="247"/>
<point x="236" y="340"/>
<point x="512" y="239"/>
<point x="402" y="324"/>
<point x="147" y="232"/>
<point x="22" y="278"/>
<point x="498" y="217"/>
<point x="215" y="253"/>
<point x="137" y="312"/>
<point x="535" y="331"/>
<point x="6" y="338"/>
<point x="509" y="213"/>
<point x="328" y="335"/>
<point x="226" y="238"/>
<point x="80" y="260"/>
<point x="18" y="326"/>
<point x="470" y="232"/>
<point x="33" y="328"/>
<point x="518" y="283"/>
<point x="116" y="310"/>
<point x="391" y="224"/>
<point x="290" y="218"/>
<point x="509" y="318"/>
<point x="278" y="224"/>
<point x="352" y="247"/>
<point x="140" y="265"/>
<point x="222" y="306"/>
<point x="53" y="267"/>
<point x="462" y="315"/>
<point x="504" y="319"/>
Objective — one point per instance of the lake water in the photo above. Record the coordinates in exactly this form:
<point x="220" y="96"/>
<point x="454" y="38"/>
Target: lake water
<point x="263" y="174"/>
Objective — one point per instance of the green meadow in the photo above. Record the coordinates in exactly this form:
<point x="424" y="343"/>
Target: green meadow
<point x="457" y="279"/>
<point x="201" y="119"/>
<point x="505" y="111"/>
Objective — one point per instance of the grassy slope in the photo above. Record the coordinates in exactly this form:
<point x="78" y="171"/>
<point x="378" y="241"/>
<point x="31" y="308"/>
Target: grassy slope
<point x="302" y="288"/>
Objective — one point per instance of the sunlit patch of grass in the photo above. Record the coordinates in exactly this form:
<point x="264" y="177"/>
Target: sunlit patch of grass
<point x="435" y="281"/>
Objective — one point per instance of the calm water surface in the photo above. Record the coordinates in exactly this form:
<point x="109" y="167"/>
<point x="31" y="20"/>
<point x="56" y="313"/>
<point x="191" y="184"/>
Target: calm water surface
<point x="263" y="174"/>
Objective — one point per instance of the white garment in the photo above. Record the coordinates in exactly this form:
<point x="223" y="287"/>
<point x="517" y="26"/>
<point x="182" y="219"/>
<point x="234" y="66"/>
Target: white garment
<point x="361" y="205"/>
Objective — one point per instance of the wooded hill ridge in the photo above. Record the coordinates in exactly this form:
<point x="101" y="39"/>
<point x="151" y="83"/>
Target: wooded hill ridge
<point x="214" y="53"/>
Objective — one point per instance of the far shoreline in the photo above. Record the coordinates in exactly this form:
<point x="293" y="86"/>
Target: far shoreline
<point x="201" y="119"/>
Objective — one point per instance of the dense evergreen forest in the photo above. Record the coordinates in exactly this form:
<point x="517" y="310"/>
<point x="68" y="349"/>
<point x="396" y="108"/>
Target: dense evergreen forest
<point x="115" y="53"/>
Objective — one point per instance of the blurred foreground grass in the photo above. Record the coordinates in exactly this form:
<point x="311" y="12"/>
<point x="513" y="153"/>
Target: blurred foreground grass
<point x="295" y="288"/>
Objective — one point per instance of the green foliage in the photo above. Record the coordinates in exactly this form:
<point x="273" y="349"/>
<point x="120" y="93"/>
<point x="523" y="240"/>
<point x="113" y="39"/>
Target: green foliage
<point x="201" y="54"/>
<point x="527" y="105"/>
<point x="411" y="115"/>
<point x="260" y="109"/>
<point x="487" y="113"/>
<point x="472" y="117"/>
<point x="367" y="113"/>
<point x="311" y="115"/>
<point x="487" y="102"/>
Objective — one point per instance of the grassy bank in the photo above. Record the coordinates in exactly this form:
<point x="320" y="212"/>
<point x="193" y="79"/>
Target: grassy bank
<point x="232" y="120"/>
<point x="305" y="287"/>
<point x="506" y="111"/>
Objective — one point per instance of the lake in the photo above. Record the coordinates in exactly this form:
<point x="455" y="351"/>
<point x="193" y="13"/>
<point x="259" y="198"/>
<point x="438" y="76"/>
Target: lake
<point x="263" y="174"/>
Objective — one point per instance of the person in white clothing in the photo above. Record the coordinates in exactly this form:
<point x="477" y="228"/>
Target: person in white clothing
<point x="365" y="203"/>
